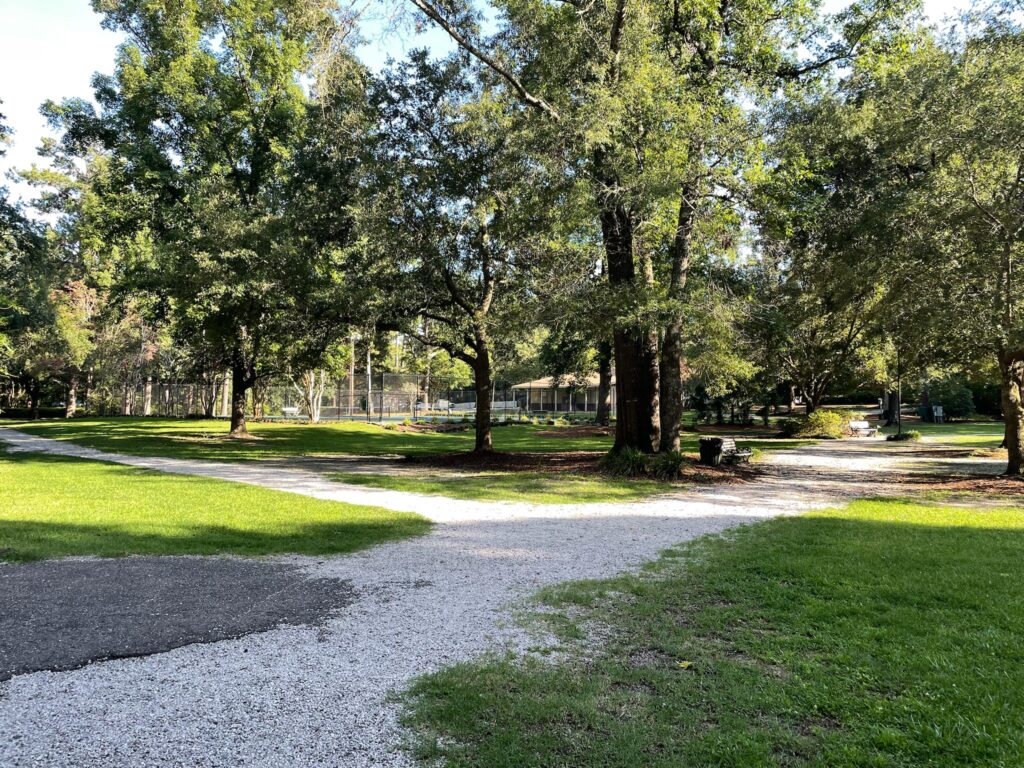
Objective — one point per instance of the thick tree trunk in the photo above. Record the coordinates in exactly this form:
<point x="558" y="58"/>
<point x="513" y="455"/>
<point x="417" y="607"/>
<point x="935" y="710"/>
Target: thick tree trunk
<point x="1004" y="399"/>
<point x="1011" y="368"/>
<point x="602" y="417"/>
<point x="72" y="402"/>
<point x="671" y="387"/>
<point x="637" y="423"/>
<point x="147" y="397"/>
<point x="241" y="381"/>
<point x="672" y="345"/>
<point x="482" y="382"/>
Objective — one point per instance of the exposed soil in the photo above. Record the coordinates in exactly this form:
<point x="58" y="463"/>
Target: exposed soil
<point x="732" y="429"/>
<point x="576" y="462"/>
<point x="440" y="426"/>
<point x="988" y="484"/>
<point x="580" y="431"/>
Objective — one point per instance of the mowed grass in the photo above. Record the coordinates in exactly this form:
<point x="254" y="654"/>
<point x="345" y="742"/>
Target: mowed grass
<point x="208" y="439"/>
<point x="987" y="434"/>
<point x="56" y="507"/>
<point x="884" y="634"/>
<point x="531" y="487"/>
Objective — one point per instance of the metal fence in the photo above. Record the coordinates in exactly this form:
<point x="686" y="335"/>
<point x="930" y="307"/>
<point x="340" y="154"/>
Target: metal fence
<point x="380" y="397"/>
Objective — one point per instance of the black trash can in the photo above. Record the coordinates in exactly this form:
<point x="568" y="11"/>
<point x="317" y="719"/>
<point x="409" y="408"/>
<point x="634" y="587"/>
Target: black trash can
<point x="711" y="451"/>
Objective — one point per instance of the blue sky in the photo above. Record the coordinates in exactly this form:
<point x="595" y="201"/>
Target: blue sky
<point x="49" y="49"/>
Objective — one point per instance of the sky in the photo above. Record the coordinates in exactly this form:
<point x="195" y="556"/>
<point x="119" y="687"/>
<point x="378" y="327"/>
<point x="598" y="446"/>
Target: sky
<point x="49" y="49"/>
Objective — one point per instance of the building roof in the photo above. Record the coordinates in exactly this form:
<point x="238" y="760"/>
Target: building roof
<point x="548" y="382"/>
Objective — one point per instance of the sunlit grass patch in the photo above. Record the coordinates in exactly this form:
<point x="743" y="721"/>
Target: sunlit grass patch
<point x="886" y="633"/>
<point x="55" y="507"/>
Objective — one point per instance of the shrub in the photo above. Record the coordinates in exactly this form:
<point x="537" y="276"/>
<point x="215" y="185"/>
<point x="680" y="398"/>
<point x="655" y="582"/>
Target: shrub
<point x="911" y="436"/>
<point x="827" y="425"/>
<point x="954" y="396"/>
<point x="668" y="465"/>
<point x="628" y="462"/>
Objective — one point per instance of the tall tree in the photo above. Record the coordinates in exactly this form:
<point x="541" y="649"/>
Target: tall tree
<point x="456" y="199"/>
<point x="633" y="94"/>
<point x="206" y="108"/>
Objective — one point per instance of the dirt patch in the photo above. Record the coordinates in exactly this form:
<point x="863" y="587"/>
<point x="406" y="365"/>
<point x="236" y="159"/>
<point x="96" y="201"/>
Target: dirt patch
<point x="581" y="462"/>
<point x="735" y="429"/>
<point x="441" y="426"/>
<point x="581" y="431"/>
<point x="987" y="484"/>
<point x="578" y="463"/>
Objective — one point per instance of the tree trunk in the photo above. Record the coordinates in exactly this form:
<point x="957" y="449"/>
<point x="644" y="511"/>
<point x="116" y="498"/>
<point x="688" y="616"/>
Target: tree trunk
<point x="241" y="380"/>
<point x="34" y="394"/>
<point x="482" y="382"/>
<point x="637" y="423"/>
<point x="351" y="373"/>
<point x="147" y="397"/>
<point x="427" y="367"/>
<point x="224" y="404"/>
<point x="602" y="416"/>
<point x="671" y="386"/>
<point x="891" y="408"/>
<point x="672" y="345"/>
<point x="1004" y="399"/>
<point x="72" y="402"/>
<point x="1011" y="368"/>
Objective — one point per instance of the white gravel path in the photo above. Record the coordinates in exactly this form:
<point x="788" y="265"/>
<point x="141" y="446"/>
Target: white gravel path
<point x="302" y="696"/>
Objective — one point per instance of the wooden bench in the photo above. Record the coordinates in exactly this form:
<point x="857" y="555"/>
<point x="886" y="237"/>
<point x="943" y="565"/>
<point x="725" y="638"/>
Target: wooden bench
<point x="733" y="454"/>
<point x="862" y="429"/>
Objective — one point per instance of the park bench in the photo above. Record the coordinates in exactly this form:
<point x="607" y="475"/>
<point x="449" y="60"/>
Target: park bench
<point x="862" y="429"/>
<point x="290" y="412"/>
<point x="716" y="450"/>
<point x="733" y="454"/>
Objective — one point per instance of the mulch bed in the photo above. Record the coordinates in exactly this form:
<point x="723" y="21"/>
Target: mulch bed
<point x="441" y="426"/>
<point x="582" y="431"/>
<point x="574" y="462"/>
<point x="989" y="484"/>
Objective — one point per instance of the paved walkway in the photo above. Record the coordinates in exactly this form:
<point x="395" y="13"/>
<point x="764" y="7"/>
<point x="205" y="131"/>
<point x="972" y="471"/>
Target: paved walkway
<point x="307" y="695"/>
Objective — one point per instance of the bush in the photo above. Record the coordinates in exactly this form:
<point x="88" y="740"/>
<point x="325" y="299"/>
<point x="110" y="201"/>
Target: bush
<point x="628" y="462"/>
<point x="668" y="465"/>
<point x="953" y="395"/>
<point x="827" y="425"/>
<point x="911" y="436"/>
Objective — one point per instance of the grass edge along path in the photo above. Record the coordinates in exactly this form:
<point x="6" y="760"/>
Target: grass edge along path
<point x="886" y="633"/>
<point x="55" y="506"/>
<point x="528" y="487"/>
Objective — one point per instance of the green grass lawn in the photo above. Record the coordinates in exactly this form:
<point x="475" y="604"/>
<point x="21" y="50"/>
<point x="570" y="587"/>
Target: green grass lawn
<point x="884" y="634"/>
<point x="971" y="435"/>
<point x="533" y="487"/>
<point x="54" y="507"/>
<point x="207" y="439"/>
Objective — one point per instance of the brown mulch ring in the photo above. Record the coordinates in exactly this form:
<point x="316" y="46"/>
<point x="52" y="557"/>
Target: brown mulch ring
<point x="988" y="484"/>
<point x="575" y="462"/>
<point x="580" y="431"/>
<point x="733" y="429"/>
<point x="440" y="426"/>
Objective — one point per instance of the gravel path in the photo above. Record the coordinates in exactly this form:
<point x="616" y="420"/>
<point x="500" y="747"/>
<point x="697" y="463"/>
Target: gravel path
<point x="317" y="695"/>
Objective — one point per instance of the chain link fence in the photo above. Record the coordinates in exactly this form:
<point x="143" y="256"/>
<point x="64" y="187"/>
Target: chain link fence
<point x="380" y="397"/>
